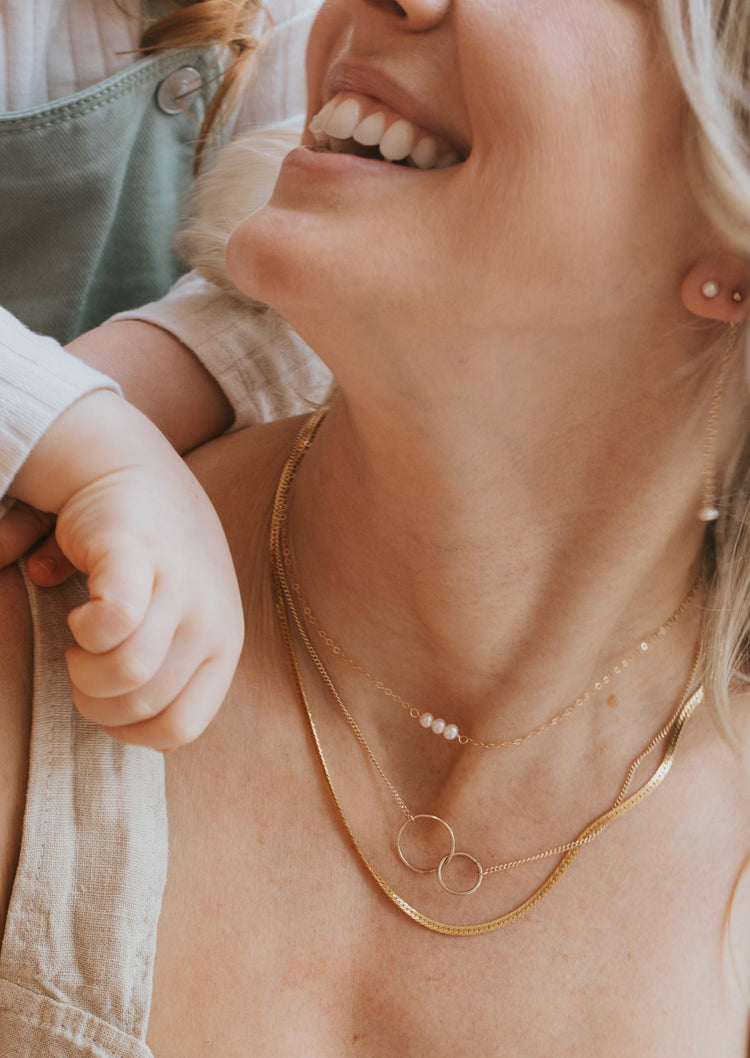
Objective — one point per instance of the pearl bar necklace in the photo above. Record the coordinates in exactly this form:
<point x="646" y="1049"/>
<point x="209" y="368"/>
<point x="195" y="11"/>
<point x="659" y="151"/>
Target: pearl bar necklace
<point x="450" y="731"/>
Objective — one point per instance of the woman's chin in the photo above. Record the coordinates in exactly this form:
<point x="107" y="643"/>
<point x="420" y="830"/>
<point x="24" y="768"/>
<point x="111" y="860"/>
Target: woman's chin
<point x="266" y="259"/>
<point x="250" y="252"/>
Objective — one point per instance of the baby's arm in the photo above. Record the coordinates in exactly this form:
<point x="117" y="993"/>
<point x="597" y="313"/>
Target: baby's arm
<point x="161" y="377"/>
<point x="134" y="519"/>
<point x="166" y="357"/>
<point x="157" y="644"/>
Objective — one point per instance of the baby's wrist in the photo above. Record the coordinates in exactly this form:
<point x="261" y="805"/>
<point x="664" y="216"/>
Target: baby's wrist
<point x="98" y="435"/>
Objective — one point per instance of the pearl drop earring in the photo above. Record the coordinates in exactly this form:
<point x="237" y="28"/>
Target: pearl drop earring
<point x="710" y="289"/>
<point x="709" y="512"/>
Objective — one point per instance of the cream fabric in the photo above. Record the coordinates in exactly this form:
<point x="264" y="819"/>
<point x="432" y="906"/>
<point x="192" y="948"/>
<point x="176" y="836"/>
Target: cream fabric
<point x="76" y="962"/>
<point x="53" y="48"/>
<point x="33" y="390"/>
<point x="263" y="367"/>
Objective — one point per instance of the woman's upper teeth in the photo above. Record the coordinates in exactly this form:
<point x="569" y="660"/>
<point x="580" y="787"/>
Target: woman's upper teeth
<point x="364" y="121"/>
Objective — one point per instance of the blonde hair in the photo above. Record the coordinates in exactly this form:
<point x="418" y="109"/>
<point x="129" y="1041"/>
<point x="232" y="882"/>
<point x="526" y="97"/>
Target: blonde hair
<point x="238" y="182"/>
<point x="236" y="28"/>
<point x="710" y="45"/>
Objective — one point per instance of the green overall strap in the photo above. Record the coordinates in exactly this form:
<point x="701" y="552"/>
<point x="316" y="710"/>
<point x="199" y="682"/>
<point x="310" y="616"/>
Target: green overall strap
<point x="92" y="190"/>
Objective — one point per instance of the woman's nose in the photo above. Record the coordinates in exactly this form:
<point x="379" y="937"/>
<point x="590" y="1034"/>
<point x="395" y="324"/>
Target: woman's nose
<point x="414" y="14"/>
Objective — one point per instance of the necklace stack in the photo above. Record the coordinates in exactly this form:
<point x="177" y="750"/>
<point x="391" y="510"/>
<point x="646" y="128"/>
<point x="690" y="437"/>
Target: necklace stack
<point x="291" y="623"/>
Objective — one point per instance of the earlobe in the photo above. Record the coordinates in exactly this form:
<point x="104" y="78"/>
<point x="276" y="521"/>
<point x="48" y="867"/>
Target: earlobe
<point x="718" y="288"/>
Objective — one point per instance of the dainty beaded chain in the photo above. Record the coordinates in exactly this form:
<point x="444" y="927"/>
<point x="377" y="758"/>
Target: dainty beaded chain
<point x="450" y="731"/>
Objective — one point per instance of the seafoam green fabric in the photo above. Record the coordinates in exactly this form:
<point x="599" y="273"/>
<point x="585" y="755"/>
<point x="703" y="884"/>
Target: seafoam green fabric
<point x="92" y="189"/>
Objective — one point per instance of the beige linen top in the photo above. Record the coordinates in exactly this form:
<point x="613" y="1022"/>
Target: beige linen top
<point x="76" y="962"/>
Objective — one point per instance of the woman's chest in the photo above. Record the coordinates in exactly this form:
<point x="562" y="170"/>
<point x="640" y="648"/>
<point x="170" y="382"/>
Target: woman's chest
<point x="276" y="940"/>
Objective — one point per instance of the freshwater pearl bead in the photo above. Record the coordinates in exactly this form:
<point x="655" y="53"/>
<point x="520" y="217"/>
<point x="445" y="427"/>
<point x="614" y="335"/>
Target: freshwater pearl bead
<point x="426" y="719"/>
<point x="451" y="732"/>
<point x="707" y="514"/>
<point x="438" y="726"/>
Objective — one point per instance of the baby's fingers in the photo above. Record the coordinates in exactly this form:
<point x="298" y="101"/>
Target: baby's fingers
<point x="121" y="583"/>
<point x="188" y="714"/>
<point x="133" y="664"/>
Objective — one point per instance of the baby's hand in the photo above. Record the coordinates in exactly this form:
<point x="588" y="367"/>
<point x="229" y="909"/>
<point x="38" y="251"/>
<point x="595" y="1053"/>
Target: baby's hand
<point x="159" y="638"/>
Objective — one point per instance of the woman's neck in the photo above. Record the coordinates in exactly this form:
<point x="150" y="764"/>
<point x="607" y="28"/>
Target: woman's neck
<point x="522" y="543"/>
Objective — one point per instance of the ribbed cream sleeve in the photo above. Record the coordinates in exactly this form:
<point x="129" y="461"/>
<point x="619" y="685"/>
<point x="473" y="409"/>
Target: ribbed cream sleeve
<point x="38" y="381"/>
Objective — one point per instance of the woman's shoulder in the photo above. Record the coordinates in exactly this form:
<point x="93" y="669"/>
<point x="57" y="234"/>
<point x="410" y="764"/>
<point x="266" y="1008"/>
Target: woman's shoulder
<point x="239" y="472"/>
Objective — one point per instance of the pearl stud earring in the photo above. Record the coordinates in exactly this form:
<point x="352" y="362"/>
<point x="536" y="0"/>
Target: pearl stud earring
<point x="710" y="289"/>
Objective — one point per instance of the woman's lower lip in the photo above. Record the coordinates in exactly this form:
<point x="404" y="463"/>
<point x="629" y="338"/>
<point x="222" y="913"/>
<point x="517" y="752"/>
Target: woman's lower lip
<point x="330" y="162"/>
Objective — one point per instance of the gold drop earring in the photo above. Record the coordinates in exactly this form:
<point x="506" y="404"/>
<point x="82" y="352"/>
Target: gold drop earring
<point x="709" y="511"/>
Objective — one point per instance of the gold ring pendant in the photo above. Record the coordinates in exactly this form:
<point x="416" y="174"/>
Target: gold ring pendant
<point x="448" y="858"/>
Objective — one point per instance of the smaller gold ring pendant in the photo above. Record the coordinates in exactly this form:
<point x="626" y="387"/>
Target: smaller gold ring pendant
<point x="460" y="892"/>
<point x="448" y="858"/>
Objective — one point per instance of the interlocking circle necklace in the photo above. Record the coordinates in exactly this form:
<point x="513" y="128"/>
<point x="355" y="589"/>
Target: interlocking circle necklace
<point x="289" y="618"/>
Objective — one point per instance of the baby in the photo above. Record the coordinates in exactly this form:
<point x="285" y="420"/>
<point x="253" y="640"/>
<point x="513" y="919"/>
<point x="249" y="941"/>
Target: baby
<point x="157" y="643"/>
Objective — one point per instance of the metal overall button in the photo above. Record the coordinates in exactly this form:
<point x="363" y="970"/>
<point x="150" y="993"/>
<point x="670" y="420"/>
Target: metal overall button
<point x="179" y="90"/>
<point x="460" y="892"/>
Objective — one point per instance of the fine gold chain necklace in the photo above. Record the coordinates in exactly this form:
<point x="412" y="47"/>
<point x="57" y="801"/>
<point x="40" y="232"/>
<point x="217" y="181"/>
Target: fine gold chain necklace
<point x="450" y="731"/>
<point x="623" y="803"/>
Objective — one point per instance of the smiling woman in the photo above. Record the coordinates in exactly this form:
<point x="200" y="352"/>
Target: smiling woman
<point x="480" y="783"/>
